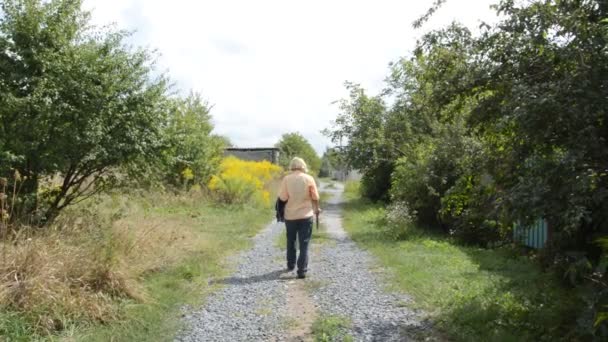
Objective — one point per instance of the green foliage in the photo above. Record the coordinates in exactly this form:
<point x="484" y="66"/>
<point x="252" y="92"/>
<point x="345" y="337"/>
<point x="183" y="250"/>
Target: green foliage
<point x="327" y="328"/>
<point x="543" y="87"/>
<point x="488" y="130"/>
<point x="331" y="161"/>
<point x="591" y="281"/>
<point x="506" y="126"/>
<point x="542" y="111"/>
<point x="437" y="143"/>
<point x="352" y="189"/>
<point x="399" y="220"/>
<point x="361" y="125"/>
<point x="190" y="144"/>
<point x="295" y="145"/>
<point x="76" y="101"/>
<point x="375" y="182"/>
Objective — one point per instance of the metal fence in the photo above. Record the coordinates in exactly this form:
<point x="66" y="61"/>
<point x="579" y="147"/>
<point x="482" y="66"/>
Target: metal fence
<point x="535" y="235"/>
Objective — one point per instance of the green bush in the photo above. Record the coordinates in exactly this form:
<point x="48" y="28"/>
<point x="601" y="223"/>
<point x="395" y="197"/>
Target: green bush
<point x="375" y="182"/>
<point x="470" y="210"/>
<point x="424" y="176"/>
<point x="399" y="220"/>
<point x="193" y="154"/>
<point x="233" y="191"/>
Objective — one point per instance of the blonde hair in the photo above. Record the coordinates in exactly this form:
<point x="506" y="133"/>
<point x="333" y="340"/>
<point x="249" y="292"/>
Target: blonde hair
<point x="298" y="164"/>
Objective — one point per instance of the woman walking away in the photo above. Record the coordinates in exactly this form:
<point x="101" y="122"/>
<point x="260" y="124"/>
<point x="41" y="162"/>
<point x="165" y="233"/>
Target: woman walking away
<point x="299" y="190"/>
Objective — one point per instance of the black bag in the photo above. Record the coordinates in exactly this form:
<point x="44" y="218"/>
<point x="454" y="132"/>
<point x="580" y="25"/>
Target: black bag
<point x="279" y="207"/>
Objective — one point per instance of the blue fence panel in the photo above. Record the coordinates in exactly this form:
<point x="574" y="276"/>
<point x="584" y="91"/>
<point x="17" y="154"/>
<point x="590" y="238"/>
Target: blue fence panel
<point x="534" y="236"/>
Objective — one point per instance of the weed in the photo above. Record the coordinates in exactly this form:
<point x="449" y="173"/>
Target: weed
<point x="327" y="328"/>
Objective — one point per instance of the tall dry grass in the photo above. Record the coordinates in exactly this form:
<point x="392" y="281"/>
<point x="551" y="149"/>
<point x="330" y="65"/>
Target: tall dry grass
<point x="91" y="259"/>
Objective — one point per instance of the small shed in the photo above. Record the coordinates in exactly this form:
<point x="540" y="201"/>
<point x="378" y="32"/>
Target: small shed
<point x="270" y="154"/>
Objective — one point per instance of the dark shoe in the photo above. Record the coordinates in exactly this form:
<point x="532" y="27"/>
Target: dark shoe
<point x="301" y="275"/>
<point x="290" y="268"/>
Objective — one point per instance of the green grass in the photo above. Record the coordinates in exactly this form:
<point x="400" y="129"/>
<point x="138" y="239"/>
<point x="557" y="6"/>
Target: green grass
<point x="352" y="190"/>
<point x="327" y="328"/>
<point x="18" y="327"/>
<point x="323" y="197"/>
<point x="472" y="294"/>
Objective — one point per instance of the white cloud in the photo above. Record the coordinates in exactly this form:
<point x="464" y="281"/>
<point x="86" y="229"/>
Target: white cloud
<point x="272" y="67"/>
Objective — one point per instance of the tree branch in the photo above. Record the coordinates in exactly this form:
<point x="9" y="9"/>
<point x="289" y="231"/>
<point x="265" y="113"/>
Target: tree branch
<point x="429" y="13"/>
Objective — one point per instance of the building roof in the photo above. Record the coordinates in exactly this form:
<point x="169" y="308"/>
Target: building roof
<point x="252" y="149"/>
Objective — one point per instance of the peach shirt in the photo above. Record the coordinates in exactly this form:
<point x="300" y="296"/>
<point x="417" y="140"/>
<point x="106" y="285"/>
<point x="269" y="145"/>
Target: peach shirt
<point x="299" y="190"/>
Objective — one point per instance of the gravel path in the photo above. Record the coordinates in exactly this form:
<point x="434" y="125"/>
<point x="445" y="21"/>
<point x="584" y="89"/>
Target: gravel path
<point x="253" y="305"/>
<point x="351" y="290"/>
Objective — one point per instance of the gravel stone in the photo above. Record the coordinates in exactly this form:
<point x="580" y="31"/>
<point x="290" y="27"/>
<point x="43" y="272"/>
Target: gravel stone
<point x="251" y="304"/>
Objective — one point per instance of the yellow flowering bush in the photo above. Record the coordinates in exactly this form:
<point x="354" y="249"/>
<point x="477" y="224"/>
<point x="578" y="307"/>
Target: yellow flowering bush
<point x="241" y="181"/>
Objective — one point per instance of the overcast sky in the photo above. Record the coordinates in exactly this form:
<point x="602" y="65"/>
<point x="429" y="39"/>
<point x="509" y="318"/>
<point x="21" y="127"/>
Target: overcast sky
<point x="273" y="67"/>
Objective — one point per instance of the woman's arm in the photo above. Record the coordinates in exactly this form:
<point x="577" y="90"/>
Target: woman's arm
<point x="315" y="207"/>
<point x="314" y="196"/>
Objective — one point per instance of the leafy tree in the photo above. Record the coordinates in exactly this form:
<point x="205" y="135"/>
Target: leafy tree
<point x="518" y="112"/>
<point x="331" y="161"/>
<point x="427" y="123"/>
<point x="359" y="130"/>
<point x="544" y="84"/>
<point x="542" y="89"/>
<point x="295" y="145"/>
<point x="76" y="101"/>
<point x="193" y="153"/>
<point x="226" y="142"/>
<point x="507" y="126"/>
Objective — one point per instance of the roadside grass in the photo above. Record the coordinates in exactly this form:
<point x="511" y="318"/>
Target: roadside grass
<point x="323" y="197"/>
<point x="472" y="294"/>
<point x="329" y="328"/>
<point x="352" y="190"/>
<point x="156" y="255"/>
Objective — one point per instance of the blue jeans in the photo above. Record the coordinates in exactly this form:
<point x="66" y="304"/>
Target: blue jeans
<point x="302" y="229"/>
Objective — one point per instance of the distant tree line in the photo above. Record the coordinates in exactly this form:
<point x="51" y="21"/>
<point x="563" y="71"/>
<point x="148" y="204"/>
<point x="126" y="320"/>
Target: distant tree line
<point x="295" y="145"/>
